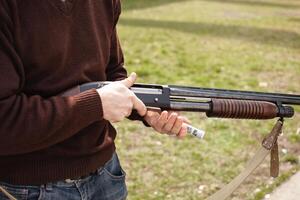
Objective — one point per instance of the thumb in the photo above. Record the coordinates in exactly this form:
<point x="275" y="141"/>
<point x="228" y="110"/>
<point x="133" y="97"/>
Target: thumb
<point x="128" y="82"/>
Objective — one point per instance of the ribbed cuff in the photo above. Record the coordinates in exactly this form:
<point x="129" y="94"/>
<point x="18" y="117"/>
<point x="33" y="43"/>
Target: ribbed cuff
<point x="89" y="104"/>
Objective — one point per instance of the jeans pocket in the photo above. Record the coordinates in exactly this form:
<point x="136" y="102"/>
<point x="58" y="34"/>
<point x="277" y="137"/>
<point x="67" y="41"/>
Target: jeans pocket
<point x="110" y="182"/>
<point x="17" y="192"/>
<point x="116" y="174"/>
<point x="113" y="168"/>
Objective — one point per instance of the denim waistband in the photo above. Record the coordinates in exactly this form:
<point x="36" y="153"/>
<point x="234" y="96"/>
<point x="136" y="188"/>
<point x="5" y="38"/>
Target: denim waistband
<point x="98" y="171"/>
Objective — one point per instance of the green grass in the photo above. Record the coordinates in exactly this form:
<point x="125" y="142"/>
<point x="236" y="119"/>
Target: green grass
<point x="234" y="44"/>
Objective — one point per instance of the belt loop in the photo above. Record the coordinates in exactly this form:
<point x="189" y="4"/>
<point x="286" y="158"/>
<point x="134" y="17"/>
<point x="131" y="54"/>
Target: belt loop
<point x="99" y="170"/>
<point x="68" y="180"/>
<point x="49" y="187"/>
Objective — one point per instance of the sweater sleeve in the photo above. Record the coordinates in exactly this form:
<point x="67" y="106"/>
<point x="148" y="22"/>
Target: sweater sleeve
<point x="115" y="69"/>
<point x="31" y="122"/>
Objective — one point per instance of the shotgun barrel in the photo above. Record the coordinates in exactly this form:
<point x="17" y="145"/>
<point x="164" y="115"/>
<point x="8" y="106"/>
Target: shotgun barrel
<point x="214" y="102"/>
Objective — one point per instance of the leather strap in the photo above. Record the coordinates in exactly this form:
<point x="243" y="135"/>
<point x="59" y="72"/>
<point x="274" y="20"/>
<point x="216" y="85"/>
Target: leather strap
<point x="269" y="144"/>
<point x="274" y="161"/>
<point x="228" y="189"/>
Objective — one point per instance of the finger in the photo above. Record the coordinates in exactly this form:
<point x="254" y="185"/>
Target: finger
<point x="154" y="109"/>
<point x="177" y="126"/>
<point x="170" y="123"/>
<point x="151" y="116"/>
<point x="117" y="119"/>
<point x="139" y="105"/>
<point x="128" y="82"/>
<point x="183" y="131"/>
<point x="186" y="120"/>
<point x="161" y="121"/>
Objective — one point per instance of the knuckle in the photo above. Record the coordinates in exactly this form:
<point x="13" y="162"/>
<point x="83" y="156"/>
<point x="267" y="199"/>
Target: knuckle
<point x="121" y="88"/>
<point x="131" y="95"/>
<point x="153" y="122"/>
<point x="125" y="113"/>
<point x="164" y="130"/>
<point x="130" y="98"/>
<point x="129" y="104"/>
<point x="159" y="124"/>
<point x="176" y="130"/>
<point x="176" y="127"/>
<point x="162" y="120"/>
<point x="167" y="129"/>
<point x="179" y="121"/>
<point x="129" y="111"/>
<point x="120" y="118"/>
<point x="158" y="129"/>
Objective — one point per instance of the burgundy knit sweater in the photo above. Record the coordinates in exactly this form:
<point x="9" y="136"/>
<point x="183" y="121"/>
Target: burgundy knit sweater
<point x="47" y="47"/>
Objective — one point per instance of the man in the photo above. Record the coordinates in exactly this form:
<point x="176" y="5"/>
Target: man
<point x="55" y="147"/>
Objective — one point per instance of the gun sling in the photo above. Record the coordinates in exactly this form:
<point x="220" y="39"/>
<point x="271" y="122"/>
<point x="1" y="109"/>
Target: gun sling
<point x="269" y="144"/>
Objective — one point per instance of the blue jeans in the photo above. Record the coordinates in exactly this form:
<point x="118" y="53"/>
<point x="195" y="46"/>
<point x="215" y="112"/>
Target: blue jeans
<point x="108" y="183"/>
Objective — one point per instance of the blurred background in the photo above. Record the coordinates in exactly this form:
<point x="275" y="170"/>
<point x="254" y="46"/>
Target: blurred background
<point x="233" y="44"/>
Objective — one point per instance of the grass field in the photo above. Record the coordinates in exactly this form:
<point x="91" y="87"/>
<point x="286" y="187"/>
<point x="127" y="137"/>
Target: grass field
<point x="234" y="44"/>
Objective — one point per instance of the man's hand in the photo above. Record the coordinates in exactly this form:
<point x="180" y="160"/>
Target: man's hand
<point x="167" y="122"/>
<point x="118" y="101"/>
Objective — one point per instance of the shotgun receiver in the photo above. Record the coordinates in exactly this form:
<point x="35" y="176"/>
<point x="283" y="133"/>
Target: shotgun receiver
<point x="214" y="102"/>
